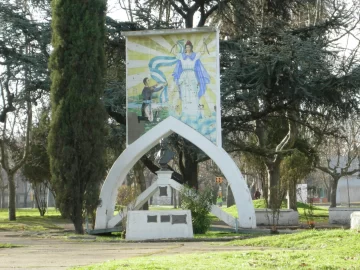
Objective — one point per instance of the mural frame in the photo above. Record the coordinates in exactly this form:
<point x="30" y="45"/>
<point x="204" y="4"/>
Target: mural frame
<point x="166" y="32"/>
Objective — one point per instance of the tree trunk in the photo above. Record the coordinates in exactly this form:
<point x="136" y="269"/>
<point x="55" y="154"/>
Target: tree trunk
<point x="2" y="200"/>
<point x="172" y="196"/>
<point x="191" y="175"/>
<point x="190" y="172"/>
<point x="77" y="218"/>
<point x="12" y="197"/>
<point x="292" y="195"/>
<point x="175" y="200"/>
<point x="230" y="197"/>
<point x="273" y="169"/>
<point x="328" y="194"/>
<point x="252" y="189"/>
<point x="264" y="185"/>
<point x="333" y="184"/>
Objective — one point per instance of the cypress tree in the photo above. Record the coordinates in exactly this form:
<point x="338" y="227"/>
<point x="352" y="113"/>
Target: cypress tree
<point x="76" y="138"/>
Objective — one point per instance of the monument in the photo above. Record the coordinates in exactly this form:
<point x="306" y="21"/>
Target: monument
<point x="173" y="86"/>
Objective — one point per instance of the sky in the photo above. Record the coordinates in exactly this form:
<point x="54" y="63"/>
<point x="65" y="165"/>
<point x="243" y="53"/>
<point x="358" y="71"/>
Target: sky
<point x="115" y="12"/>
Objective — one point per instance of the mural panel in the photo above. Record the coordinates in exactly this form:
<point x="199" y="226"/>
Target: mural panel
<point x="172" y="74"/>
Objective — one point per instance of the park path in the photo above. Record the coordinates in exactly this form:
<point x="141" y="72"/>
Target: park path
<point x="55" y="254"/>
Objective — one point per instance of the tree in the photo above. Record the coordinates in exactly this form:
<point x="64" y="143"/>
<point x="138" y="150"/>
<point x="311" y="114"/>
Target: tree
<point x="178" y="13"/>
<point x="23" y="80"/>
<point x="281" y="79"/>
<point x="3" y="187"/>
<point x="341" y="156"/>
<point x="37" y="168"/>
<point x="76" y="146"/>
<point x="294" y="168"/>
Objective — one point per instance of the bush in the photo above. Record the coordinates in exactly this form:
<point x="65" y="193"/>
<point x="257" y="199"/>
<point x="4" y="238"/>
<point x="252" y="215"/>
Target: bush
<point x="199" y="203"/>
<point x="126" y="195"/>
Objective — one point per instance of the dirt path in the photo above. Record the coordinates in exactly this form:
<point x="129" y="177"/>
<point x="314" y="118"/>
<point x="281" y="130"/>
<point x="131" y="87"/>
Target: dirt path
<point x="39" y="253"/>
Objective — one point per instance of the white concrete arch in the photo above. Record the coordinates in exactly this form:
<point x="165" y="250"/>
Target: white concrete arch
<point x="141" y="146"/>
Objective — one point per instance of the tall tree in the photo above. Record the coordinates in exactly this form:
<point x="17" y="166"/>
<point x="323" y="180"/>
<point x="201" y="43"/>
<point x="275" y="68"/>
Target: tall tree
<point x="37" y="168"/>
<point x="294" y="168"/>
<point x="283" y="78"/>
<point x="341" y="155"/>
<point x="23" y="79"/>
<point x="76" y="135"/>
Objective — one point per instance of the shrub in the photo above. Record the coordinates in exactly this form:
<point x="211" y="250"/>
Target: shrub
<point x="199" y="203"/>
<point x="126" y="195"/>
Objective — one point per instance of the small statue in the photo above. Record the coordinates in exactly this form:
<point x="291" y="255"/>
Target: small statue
<point x="164" y="155"/>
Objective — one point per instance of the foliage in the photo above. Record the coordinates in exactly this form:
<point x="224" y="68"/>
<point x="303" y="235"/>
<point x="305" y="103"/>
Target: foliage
<point x="126" y="195"/>
<point x="283" y="81"/>
<point x="199" y="203"/>
<point x="340" y="155"/>
<point x="37" y="168"/>
<point x="295" y="167"/>
<point x="76" y="138"/>
<point x="23" y="79"/>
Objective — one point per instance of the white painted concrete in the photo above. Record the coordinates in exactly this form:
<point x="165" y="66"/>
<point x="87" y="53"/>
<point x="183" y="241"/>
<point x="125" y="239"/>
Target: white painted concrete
<point x="355" y="220"/>
<point x="164" y="179"/>
<point x="136" y="150"/>
<point x="141" y="199"/>
<point x="348" y="190"/>
<point x="341" y="215"/>
<point x="138" y="227"/>
<point x="286" y="217"/>
<point x="222" y="215"/>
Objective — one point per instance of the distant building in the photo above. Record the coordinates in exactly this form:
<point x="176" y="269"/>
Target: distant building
<point x="24" y="193"/>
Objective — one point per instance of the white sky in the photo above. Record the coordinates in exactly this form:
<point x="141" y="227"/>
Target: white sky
<point x="117" y="13"/>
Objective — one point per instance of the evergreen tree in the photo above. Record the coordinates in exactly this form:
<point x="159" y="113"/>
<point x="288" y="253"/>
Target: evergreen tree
<point x="76" y="138"/>
<point x="282" y="81"/>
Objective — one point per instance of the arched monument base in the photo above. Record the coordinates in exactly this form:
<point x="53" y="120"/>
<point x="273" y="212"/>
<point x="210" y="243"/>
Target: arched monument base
<point x="105" y="218"/>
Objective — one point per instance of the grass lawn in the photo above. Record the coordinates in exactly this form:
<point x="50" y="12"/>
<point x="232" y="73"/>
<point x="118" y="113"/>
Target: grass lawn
<point x="8" y="246"/>
<point x="29" y="219"/>
<point x="312" y="249"/>
<point x="320" y="214"/>
<point x="224" y="234"/>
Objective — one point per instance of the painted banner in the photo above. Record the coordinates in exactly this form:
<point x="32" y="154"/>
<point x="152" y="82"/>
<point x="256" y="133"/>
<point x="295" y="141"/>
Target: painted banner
<point x="172" y="74"/>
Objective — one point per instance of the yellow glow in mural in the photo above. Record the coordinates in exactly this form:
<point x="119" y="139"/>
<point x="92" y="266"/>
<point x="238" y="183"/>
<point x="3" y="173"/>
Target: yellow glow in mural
<point x="173" y="73"/>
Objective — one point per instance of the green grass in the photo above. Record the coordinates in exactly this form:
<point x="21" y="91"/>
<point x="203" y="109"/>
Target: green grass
<point x="28" y="219"/>
<point x="162" y="207"/>
<point x="225" y="234"/>
<point x="332" y="249"/>
<point x="6" y="245"/>
<point x="321" y="214"/>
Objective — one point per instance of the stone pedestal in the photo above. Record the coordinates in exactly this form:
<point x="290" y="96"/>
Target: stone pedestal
<point x="163" y="178"/>
<point x="341" y="215"/>
<point x="287" y="217"/>
<point x="166" y="224"/>
<point x="355" y="220"/>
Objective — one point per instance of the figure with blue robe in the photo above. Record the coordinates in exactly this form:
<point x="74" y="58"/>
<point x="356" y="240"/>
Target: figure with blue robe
<point x="191" y="79"/>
